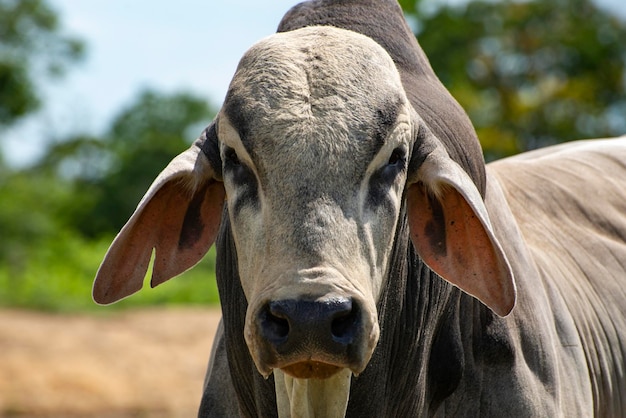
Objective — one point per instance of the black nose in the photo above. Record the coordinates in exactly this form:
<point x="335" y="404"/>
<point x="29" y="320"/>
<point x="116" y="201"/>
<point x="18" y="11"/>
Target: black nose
<point x="324" y="325"/>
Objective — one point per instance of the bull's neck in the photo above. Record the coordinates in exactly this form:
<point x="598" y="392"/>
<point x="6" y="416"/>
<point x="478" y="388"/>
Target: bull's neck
<point x="418" y="314"/>
<point x="256" y="395"/>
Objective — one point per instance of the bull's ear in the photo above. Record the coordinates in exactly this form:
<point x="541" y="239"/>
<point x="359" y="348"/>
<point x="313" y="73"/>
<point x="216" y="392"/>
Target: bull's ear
<point x="178" y="218"/>
<point x="451" y="230"/>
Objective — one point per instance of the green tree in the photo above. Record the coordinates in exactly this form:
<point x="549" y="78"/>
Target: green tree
<point x="110" y="174"/>
<point x="58" y="217"/>
<point x="32" y="46"/>
<point x="530" y="73"/>
<point x="32" y="210"/>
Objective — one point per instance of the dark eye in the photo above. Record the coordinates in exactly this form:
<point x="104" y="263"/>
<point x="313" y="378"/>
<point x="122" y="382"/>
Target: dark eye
<point x="397" y="158"/>
<point x="384" y="178"/>
<point x="242" y="179"/>
<point x="231" y="158"/>
<point x="239" y="171"/>
<point x="395" y="165"/>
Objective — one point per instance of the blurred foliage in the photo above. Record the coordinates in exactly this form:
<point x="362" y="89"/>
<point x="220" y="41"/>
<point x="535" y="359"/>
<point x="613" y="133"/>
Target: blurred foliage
<point x="111" y="174"/>
<point x="528" y="73"/>
<point x="60" y="270"/>
<point x="32" y="47"/>
<point x="58" y="218"/>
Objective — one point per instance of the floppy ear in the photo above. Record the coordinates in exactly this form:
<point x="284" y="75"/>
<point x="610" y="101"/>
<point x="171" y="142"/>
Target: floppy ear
<point x="178" y="217"/>
<point x="451" y="231"/>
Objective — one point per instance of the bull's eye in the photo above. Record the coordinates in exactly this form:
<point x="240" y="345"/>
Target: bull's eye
<point x="231" y="158"/>
<point x="238" y="170"/>
<point x="384" y="178"/>
<point x="243" y="180"/>
<point x="396" y="164"/>
<point x="398" y="157"/>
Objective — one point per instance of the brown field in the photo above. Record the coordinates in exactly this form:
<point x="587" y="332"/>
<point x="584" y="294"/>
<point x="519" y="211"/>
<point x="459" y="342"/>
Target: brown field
<point x="146" y="363"/>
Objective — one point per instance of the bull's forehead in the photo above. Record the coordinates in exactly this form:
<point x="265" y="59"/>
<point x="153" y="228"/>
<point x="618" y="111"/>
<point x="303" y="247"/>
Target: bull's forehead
<point x="317" y="97"/>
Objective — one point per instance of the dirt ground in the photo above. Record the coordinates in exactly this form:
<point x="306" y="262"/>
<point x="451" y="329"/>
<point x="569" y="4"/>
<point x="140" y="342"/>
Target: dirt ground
<point x="147" y="363"/>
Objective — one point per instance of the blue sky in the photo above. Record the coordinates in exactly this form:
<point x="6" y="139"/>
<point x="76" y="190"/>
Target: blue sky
<point x="191" y="45"/>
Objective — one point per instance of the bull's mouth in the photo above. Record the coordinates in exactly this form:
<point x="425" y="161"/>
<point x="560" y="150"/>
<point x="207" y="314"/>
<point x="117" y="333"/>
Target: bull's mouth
<point x="308" y="398"/>
<point x="311" y="370"/>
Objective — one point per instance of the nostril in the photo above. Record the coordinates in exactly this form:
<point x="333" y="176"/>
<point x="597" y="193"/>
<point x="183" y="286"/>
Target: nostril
<point x="275" y="327"/>
<point x="344" y="326"/>
<point x="327" y="323"/>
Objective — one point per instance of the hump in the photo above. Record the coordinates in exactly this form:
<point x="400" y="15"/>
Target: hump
<point x="383" y="21"/>
<point x="380" y="20"/>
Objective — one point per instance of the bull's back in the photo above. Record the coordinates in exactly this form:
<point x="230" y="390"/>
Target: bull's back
<point x="570" y="204"/>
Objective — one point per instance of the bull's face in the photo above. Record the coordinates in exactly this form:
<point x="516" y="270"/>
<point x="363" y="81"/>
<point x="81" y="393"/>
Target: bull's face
<point x="314" y="138"/>
<point x="316" y="152"/>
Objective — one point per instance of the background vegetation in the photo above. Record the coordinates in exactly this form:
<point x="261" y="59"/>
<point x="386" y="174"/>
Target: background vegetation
<point x="529" y="74"/>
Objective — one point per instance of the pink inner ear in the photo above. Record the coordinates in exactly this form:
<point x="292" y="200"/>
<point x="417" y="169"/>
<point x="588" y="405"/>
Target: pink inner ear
<point x="454" y="242"/>
<point x="188" y="231"/>
<point x="181" y="228"/>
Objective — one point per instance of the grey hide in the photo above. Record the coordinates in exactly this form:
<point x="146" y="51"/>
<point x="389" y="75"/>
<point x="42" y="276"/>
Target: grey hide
<point x="369" y="264"/>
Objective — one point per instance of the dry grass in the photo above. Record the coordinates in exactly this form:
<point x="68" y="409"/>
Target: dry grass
<point x="147" y="363"/>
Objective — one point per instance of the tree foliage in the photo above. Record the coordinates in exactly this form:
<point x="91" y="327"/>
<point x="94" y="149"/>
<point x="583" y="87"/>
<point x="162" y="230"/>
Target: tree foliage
<point x="529" y="73"/>
<point x="58" y="217"/>
<point x="90" y="185"/>
<point x="32" y="209"/>
<point x="32" y="46"/>
<point x="111" y="173"/>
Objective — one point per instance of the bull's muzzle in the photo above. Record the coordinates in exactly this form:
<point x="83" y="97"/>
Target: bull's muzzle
<point x="315" y="337"/>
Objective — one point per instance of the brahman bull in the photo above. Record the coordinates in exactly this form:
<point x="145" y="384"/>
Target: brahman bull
<point x="368" y="262"/>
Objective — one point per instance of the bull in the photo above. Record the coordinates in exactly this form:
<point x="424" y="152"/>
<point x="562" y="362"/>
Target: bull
<point x="369" y="263"/>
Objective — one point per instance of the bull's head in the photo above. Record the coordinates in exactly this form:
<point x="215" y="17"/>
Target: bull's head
<point x="316" y="153"/>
